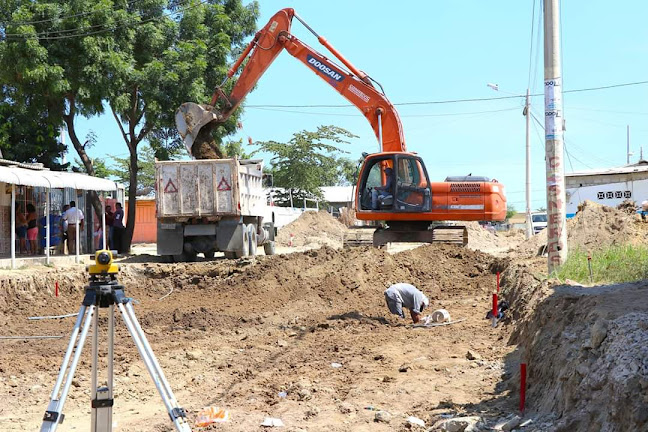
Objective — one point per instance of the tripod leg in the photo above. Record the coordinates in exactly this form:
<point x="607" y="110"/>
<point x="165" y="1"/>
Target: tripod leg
<point x="101" y="397"/>
<point x="53" y="415"/>
<point x="176" y="413"/>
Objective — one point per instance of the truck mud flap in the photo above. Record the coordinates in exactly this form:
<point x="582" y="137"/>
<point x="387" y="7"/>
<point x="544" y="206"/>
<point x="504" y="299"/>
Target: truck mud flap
<point x="170" y="238"/>
<point x="229" y="235"/>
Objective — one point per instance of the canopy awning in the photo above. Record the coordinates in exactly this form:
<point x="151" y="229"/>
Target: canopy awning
<point x="54" y="179"/>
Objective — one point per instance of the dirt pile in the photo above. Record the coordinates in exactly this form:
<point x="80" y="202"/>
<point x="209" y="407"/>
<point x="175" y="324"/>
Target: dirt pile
<point x="481" y="239"/>
<point x="237" y="334"/>
<point x="595" y="226"/>
<point x="312" y="229"/>
<point x="587" y="351"/>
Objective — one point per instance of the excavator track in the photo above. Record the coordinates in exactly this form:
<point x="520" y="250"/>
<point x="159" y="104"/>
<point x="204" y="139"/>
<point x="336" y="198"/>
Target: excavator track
<point x="446" y="234"/>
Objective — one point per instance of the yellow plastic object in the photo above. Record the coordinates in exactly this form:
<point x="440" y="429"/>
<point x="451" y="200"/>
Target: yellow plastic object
<point x="212" y="415"/>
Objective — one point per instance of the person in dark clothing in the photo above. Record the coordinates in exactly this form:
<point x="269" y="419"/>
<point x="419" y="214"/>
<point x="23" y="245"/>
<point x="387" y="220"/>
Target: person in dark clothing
<point x="21" y="230"/>
<point x="32" y="229"/>
<point x="110" y="220"/>
<point x="118" y="229"/>
<point x="381" y="192"/>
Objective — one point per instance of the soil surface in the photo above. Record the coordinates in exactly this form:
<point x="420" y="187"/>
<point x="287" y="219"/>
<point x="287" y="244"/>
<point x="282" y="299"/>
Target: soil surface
<point x="306" y="337"/>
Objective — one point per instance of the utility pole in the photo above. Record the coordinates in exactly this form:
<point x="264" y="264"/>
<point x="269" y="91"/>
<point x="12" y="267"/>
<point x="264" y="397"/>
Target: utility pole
<point x="555" y="168"/>
<point x="628" y="144"/>
<point x="527" y="114"/>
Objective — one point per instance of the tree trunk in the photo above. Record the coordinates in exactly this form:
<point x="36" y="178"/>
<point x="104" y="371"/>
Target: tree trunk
<point x="87" y="163"/>
<point x="132" y="197"/>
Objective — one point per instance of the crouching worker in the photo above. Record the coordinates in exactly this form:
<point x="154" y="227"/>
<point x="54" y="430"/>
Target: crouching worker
<point x="404" y="295"/>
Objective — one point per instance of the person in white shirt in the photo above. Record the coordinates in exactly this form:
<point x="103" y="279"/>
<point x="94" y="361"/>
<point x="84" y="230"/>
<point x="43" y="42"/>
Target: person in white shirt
<point x="71" y="216"/>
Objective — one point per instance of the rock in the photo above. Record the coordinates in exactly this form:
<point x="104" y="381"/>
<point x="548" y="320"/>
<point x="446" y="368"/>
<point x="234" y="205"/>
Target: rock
<point x="346" y="408"/>
<point x="193" y="355"/>
<point x="404" y="367"/>
<point x="304" y="394"/>
<point x="457" y="424"/>
<point x="509" y="424"/>
<point x="382" y="417"/>
<point x="312" y="411"/>
<point x="472" y="355"/>
<point x="598" y="333"/>
<point x="282" y="343"/>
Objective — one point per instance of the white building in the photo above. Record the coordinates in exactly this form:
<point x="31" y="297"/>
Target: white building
<point x="609" y="186"/>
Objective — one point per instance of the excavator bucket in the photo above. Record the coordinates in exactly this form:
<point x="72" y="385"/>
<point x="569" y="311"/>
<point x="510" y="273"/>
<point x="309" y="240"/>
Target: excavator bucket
<point x="190" y="118"/>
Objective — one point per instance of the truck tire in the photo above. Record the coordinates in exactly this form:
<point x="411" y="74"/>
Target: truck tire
<point x="245" y="244"/>
<point x="269" y="247"/>
<point x="252" y="240"/>
<point x="185" y="257"/>
<point x="209" y="254"/>
<point x="230" y="255"/>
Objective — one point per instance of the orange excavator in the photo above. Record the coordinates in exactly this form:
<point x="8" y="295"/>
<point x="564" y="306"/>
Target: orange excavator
<point x="393" y="185"/>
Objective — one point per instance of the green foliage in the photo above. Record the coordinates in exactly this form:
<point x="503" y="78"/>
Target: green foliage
<point x="100" y="168"/>
<point x="510" y="211"/>
<point x="28" y="134"/>
<point x="235" y="148"/>
<point x="145" y="167"/>
<point x="611" y="265"/>
<point x="308" y="161"/>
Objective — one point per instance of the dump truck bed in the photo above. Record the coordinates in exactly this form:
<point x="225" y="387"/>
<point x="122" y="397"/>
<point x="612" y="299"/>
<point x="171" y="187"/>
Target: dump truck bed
<point x="209" y="188"/>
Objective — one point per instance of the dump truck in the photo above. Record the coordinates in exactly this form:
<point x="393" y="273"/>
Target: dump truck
<point x="210" y="205"/>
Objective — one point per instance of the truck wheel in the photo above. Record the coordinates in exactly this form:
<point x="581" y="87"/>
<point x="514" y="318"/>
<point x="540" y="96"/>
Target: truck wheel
<point x="209" y="254"/>
<point x="230" y="255"/>
<point x="185" y="257"/>
<point x="245" y="244"/>
<point x="252" y="240"/>
<point x="269" y="248"/>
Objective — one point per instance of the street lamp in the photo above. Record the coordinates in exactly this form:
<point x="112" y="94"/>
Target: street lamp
<point x="526" y="113"/>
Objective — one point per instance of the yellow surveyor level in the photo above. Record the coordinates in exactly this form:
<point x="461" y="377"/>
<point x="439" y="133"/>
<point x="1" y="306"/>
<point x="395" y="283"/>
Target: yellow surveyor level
<point x="103" y="263"/>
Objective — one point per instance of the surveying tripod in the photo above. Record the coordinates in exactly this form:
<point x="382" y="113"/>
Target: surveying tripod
<point x="104" y="291"/>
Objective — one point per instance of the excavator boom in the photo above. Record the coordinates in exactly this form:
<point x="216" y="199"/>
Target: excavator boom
<point x="412" y="203"/>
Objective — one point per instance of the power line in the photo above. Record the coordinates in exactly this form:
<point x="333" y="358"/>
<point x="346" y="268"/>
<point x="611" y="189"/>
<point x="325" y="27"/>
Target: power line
<point x="402" y="116"/>
<point x="20" y="23"/>
<point x="448" y="101"/>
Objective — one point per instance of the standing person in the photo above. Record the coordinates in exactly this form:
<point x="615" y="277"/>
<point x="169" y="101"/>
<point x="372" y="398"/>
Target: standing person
<point x="118" y="228"/>
<point x="71" y="216"/>
<point x="32" y="229"/>
<point x="406" y="295"/>
<point x="110" y="220"/>
<point x="21" y="230"/>
<point x="64" y="227"/>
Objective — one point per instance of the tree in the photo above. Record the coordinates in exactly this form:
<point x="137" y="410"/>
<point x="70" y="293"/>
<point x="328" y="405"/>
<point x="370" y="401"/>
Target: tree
<point x="28" y="134"/>
<point x="235" y="148"/>
<point x="139" y="60"/>
<point x="510" y="211"/>
<point x="308" y="161"/>
<point x="146" y="173"/>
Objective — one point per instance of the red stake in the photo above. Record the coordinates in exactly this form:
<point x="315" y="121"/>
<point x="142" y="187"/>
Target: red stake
<point x="56" y="288"/>
<point x="522" y="385"/>
<point x="495" y="305"/>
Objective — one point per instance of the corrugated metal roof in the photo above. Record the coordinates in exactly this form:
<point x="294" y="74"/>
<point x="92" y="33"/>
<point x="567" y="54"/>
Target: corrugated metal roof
<point x="54" y="179"/>
<point x="641" y="166"/>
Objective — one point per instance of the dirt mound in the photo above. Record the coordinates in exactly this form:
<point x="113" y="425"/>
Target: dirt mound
<point x="595" y="226"/>
<point x="238" y="333"/>
<point x="481" y="239"/>
<point x="312" y="229"/>
<point x="587" y="354"/>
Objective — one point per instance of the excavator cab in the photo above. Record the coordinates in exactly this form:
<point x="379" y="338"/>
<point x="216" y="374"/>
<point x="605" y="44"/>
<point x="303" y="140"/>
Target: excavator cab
<point x="408" y="190"/>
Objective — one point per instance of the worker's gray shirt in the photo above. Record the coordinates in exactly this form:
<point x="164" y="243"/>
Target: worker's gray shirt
<point x="405" y="295"/>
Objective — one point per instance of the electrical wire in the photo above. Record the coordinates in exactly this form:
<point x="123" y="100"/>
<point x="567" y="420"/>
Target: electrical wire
<point x="402" y="116"/>
<point x="20" y="23"/>
<point x="448" y="101"/>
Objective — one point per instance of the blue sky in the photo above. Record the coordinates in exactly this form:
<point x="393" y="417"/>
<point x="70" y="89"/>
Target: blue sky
<point x="436" y="51"/>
